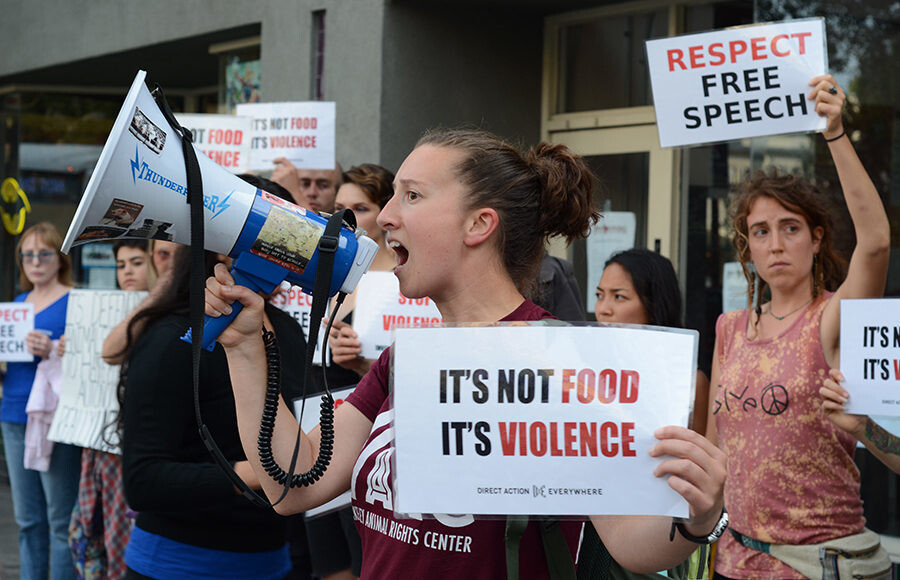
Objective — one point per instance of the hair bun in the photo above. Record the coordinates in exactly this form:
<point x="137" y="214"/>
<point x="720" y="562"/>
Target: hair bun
<point x="567" y="207"/>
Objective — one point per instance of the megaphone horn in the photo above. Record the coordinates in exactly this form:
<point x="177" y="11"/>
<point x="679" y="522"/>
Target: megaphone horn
<point x="139" y="187"/>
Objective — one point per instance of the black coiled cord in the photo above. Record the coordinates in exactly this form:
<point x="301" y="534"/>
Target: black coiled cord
<point x="267" y="425"/>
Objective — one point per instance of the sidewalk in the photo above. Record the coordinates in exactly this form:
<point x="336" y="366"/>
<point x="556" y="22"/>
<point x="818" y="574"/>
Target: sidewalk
<point x="9" y="543"/>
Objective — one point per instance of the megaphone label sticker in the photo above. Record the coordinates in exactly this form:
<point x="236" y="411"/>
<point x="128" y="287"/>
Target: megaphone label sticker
<point x="99" y="233"/>
<point x="287" y="241"/>
<point x="152" y="229"/>
<point x="147" y="132"/>
<point x="121" y="213"/>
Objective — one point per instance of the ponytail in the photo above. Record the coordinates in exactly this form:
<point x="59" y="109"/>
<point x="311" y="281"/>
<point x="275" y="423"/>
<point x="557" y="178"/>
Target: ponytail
<point x="547" y="191"/>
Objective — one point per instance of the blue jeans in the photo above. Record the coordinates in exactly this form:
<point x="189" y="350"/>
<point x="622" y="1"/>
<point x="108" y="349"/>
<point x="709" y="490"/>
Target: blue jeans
<point x="42" y="504"/>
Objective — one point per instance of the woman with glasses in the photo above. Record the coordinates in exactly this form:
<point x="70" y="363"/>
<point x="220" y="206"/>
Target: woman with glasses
<point x="42" y="500"/>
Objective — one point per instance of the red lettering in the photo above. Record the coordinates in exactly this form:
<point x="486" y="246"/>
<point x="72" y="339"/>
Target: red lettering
<point x="238" y="137"/>
<point x="569" y="438"/>
<point x="586" y="386"/>
<point x="555" y="451"/>
<point x="675" y="56"/>
<point x="801" y="40"/>
<point x="736" y="47"/>
<point x="628" y="440"/>
<point x="537" y="435"/>
<point x="629" y="392"/>
<point x="606" y="386"/>
<point x="897" y="369"/>
<point x="717" y="54"/>
<point x="774" y="48"/>
<point x="14" y="314"/>
<point x="567" y="384"/>
<point x="587" y="435"/>
<point x="508" y="438"/>
<point x="696" y="53"/>
<point x="758" y="47"/>
<point x="608" y="430"/>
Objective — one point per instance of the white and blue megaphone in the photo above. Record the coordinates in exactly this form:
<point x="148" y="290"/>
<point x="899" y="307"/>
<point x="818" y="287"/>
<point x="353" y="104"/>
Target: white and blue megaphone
<point x="139" y="187"/>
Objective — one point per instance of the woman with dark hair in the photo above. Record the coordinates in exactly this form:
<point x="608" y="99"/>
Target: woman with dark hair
<point x="792" y="481"/>
<point x="640" y="287"/>
<point x="468" y="223"/>
<point x="191" y="520"/>
<point x="42" y="499"/>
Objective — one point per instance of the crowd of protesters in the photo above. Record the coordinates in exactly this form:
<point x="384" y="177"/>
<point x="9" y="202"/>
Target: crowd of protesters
<point x="464" y="222"/>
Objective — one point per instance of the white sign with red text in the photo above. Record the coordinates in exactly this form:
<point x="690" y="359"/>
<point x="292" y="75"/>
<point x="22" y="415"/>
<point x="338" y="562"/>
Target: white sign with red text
<point x="303" y="132"/>
<point x="309" y="418"/>
<point x="519" y="418"/>
<point x="746" y="81"/>
<point x="16" y="321"/>
<point x="298" y="304"/>
<point x="380" y="307"/>
<point x="870" y="355"/>
<point x="223" y="138"/>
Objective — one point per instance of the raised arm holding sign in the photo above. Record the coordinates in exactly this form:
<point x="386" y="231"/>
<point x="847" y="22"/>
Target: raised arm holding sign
<point x="468" y="223"/>
<point x="771" y="358"/>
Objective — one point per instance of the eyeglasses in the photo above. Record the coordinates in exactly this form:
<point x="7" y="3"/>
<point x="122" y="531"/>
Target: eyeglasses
<point x="43" y="257"/>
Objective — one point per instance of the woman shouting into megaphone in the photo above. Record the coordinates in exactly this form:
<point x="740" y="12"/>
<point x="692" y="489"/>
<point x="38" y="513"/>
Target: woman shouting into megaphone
<point x="468" y="221"/>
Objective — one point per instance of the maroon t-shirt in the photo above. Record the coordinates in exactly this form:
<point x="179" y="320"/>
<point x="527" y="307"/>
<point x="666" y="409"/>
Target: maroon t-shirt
<point x="442" y="546"/>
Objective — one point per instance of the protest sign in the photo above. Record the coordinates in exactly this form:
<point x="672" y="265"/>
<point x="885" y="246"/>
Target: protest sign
<point x="537" y="419"/>
<point x="745" y="81"/>
<point x="303" y="132"/>
<point x="298" y="304"/>
<point x="380" y="307"/>
<point x="87" y="402"/>
<point x="16" y="321"/>
<point x="870" y="355"/>
<point x="734" y="287"/>
<point x="309" y="418"/>
<point x="223" y="138"/>
<point x="613" y="233"/>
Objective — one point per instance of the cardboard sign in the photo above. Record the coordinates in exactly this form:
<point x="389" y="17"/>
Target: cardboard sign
<point x="88" y="402"/>
<point x="308" y="420"/>
<point x="301" y="132"/>
<point x="613" y="233"/>
<point x="380" y="307"/>
<point x="298" y="304"/>
<point x="16" y="321"/>
<point x="746" y="81"/>
<point x="870" y="355"/>
<point x="225" y="139"/>
<point x="537" y="419"/>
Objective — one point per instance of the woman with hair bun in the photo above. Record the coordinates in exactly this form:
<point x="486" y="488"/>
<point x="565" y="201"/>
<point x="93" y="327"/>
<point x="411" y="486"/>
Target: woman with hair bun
<point x="467" y="223"/>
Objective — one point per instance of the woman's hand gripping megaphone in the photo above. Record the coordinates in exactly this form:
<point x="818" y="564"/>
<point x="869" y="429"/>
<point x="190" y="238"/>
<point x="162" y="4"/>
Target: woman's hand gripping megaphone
<point x="244" y="325"/>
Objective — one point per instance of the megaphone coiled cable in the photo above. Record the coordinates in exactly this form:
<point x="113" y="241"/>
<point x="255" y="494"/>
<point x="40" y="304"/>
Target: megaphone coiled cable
<point x="267" y="424"/>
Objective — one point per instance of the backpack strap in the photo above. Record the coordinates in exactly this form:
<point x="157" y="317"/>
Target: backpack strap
<point x="515" y="527"/>
<point x="556" y="550"/>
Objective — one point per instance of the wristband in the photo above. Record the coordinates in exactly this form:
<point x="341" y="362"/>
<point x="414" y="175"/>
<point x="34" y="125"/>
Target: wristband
<point x="827" y="140"/>
<point x="708" y="539"/>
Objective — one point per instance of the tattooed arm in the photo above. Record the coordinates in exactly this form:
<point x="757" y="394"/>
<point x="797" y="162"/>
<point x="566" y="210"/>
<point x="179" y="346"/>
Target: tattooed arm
<point x="883" y="445"/>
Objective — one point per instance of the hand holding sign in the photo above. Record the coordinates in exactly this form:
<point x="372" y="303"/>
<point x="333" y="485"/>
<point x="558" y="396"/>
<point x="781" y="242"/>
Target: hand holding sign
<point x="346" y="348"/>
<point x="830" y="104"/>
<point x="833" y="398"/>
<point x="696" y="470"/>
<point x="38" y="343"/>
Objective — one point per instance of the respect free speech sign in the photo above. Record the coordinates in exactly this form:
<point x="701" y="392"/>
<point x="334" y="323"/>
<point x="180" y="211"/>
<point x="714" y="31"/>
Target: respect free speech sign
<point x="747" y="81"/>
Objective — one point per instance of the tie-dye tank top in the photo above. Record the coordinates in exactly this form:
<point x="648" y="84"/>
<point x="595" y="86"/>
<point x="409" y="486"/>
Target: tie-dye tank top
<point x="791" y="476"/>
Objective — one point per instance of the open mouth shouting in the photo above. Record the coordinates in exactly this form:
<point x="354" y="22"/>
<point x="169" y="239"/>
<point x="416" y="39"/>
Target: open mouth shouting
<point x="400" y="251"/>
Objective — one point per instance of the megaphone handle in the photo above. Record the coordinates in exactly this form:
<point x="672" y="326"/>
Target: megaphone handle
<point x="213" y="327"/>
